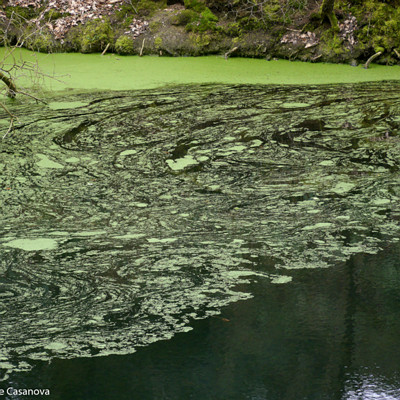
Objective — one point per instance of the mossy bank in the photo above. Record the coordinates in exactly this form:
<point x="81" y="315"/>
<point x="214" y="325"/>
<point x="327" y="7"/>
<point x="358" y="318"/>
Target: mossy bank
<point x="288" y="29"/>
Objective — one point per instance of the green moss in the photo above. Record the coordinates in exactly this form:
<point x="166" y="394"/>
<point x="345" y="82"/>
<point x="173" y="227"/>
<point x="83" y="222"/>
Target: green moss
<point x="52" y="15"/>
<point x="158" y="42"/>
<point x="155" y="26"/>
<point x="195" y="5"/>
<point x="232" y="29"/>
<point x="332" y="44"/>
<point x="379" y="24"/>
<point x="24" y="12"/>
<point x="125" y="12"/>
<point x="200" y="40"/>
<point x="72" y="41"/>
<point x="185" y="17"/>
<point x="147" y="7"/>
<point x="252" y="24"/>
<point x="96" y="35"/>
<point x="124" y="45"/>
<point x="41" y="41"/>
<point x="272" y="11"/>
<point x="206" y="21"/>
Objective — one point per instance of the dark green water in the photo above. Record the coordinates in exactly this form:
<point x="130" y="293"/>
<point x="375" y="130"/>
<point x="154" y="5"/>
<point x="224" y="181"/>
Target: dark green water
<point x="331" y="334"/>
<point x="141" y="221"/>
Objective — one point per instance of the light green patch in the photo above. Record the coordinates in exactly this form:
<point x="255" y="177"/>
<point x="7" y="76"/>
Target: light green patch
<point x="130" y="236"/>
<point x="45" y="162"/>
<point x="89" y="233"/>
<point x="139" y="204"/>
<point x="305" y="265"/>
<point x="380" y="202"/>
<point x="294" y="105"/>
<point x="238" y="148"/>
<point x="166" y="240"/>
<point x="32" y="244"/>
<point x="5" y="365"/>
<point x="181" y="163"/>
<point x="64" y="105"/>
<point x="59" y="233"/>
<point x="327" y="163"/>
<point x="320" y="225"/>
<point x="128" y="153"/>
<point x="256" y="143"/>
<point x="56" y="346"/>
<point x="281" y="279"/>
<point x="343" y="187"/>
<point x="72" y="160"/>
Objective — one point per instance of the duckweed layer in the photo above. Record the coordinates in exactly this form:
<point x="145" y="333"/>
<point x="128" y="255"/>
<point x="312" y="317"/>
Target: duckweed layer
<point x="111" y="239"/>
<point x="92" y="71"/>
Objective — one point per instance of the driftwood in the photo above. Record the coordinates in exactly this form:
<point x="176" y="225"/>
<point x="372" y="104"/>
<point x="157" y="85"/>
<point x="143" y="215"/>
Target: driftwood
<point x="228" y="53"/>
<point x="105" y="50"/>
<point x="372" y="58"/>
<point x="12" y="89"/>
<point x="141" y="50"/>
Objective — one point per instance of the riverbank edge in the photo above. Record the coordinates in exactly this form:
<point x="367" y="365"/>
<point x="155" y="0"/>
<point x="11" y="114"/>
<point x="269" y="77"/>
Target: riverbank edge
<point x="167" y="34"/>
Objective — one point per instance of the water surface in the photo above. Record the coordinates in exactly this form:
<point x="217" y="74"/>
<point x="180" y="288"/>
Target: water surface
<point x="127" y="216"/>
<point x="112" y="72"/>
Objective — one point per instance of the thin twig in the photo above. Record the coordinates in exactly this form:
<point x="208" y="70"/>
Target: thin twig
<point x="12" y="118"/>
<point x="32" y="96"/>
<point x="7" y="110"/>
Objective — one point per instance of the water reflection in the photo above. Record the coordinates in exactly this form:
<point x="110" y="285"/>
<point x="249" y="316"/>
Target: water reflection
<point x="289" y="342"/>
<point x="368" y="385"/>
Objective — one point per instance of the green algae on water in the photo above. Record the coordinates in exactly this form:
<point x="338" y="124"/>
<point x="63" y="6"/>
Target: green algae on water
<point x="32" y="244"/>
<point x="109" y="72"/>
<point x="146" y="248"/>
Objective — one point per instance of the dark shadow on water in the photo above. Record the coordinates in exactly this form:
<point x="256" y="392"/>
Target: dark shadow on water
<point x="329" y="334"/>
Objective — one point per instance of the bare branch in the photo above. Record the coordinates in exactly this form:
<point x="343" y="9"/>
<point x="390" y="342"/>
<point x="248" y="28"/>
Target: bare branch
<point x="12" y="89"/>
<point x="12" y="119"/>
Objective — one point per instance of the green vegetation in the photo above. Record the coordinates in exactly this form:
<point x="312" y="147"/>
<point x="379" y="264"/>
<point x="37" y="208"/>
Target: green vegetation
<point x="185" y="17"/>
<point x="380" y="25"/>
<point x="195" y="5"/>
<point x="124" y="45"/>
<point x="96" y="35"/>
<point x="256" y="27"/>
<point x="42" y="41"/>
<point x="21" y="12"/>
<point x="206" y="21"/>
<point x="158" y="42"/>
